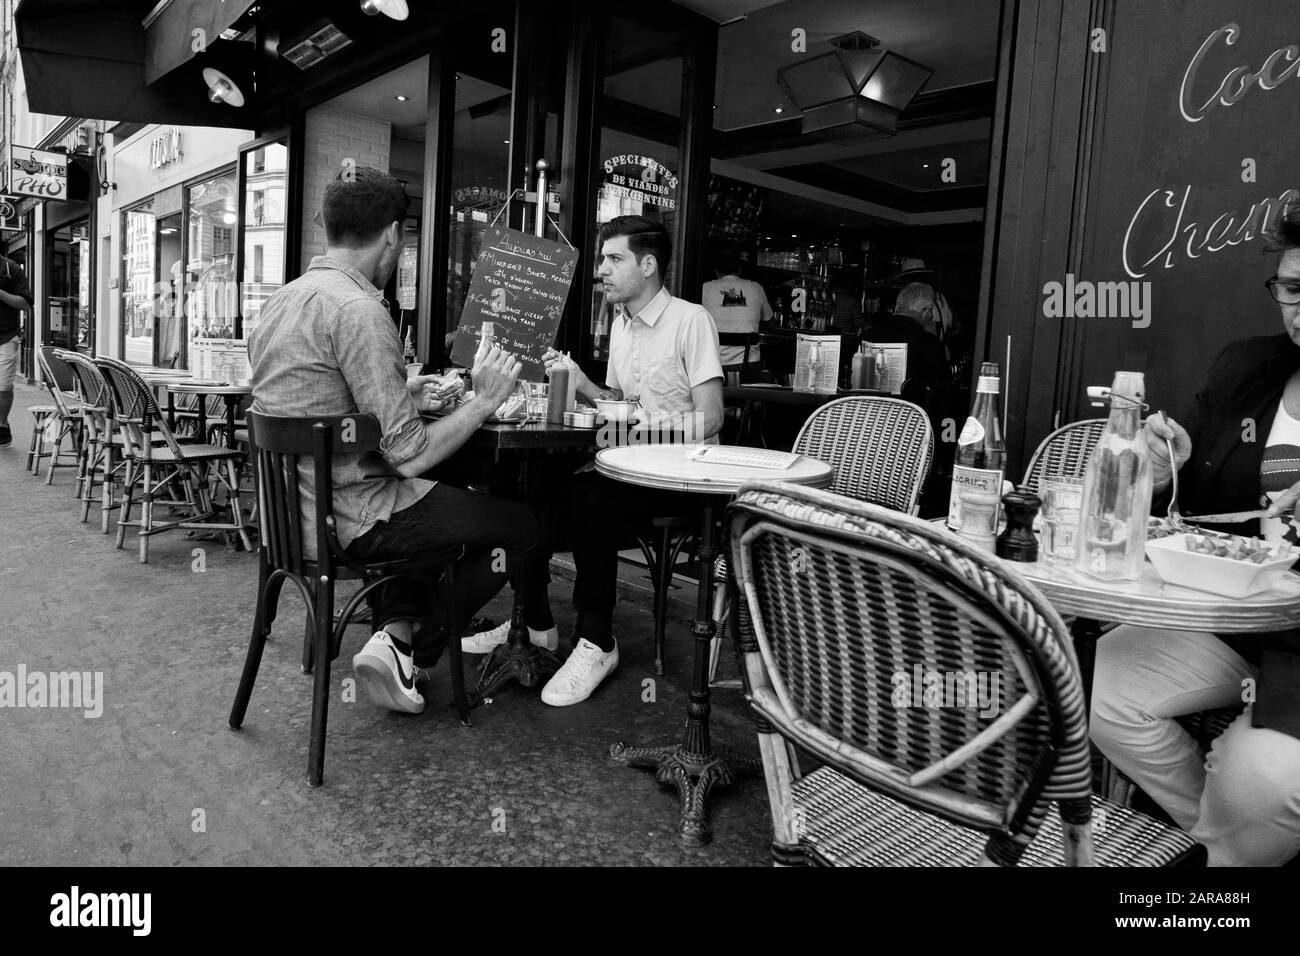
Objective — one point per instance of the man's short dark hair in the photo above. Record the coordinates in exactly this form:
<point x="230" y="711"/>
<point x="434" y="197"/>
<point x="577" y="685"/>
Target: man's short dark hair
<point x="360" y="203"/>
<point x="643" y="236"/>
<point x="728" y="261"/>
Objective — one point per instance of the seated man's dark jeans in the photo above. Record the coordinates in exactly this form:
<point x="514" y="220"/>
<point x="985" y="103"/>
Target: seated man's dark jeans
<point x="449" y="518"/>
<point x="603" y="516"/>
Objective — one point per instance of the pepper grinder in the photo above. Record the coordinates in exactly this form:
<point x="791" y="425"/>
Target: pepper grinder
<point x="1017" y="541"/>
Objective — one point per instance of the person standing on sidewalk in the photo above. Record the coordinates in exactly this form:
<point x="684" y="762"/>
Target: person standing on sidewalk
<point x="15" y="299"/>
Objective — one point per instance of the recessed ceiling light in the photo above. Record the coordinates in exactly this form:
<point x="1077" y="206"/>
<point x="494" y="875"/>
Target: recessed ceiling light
<point x="506" y="141"/>
<point x="400" y="98"/>
<point x="779" y="109"/>
<point x="925" y="165"/>
<point x="794" y="235"/>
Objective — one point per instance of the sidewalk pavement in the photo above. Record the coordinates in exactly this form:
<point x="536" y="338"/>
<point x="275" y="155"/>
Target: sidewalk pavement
<point x="160" y="779"/>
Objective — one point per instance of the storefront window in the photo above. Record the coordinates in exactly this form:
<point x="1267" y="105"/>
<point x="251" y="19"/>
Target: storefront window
<point x="480" y="161"/>
<point x="68" y="302"/>
<point x="138" y="235"/>
<point x="211" y="290"/>
<point x="264" y="229"/>
<point x="638" y="173"/>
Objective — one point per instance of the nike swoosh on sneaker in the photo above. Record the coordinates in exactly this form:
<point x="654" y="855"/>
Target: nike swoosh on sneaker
<point x="407" y="682"/>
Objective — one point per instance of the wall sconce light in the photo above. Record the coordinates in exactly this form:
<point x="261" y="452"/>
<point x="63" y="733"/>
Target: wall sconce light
<point x="101" y="167"/>
<point x="390" y="8"/>
<point x="222" y="89"/>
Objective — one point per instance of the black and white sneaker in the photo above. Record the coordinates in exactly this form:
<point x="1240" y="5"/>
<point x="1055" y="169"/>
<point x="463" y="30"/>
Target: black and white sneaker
<point x="387" y="675"/>
<point x="6" y="436"/>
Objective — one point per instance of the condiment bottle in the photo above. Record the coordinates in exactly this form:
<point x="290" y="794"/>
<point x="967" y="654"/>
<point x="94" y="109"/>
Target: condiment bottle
<point x="858" y="377"/>
<point x="981" y="455"/>
<point x="558" y="394"/>
<point x="1017" y="541"/>
<point x="1117" y="489"/>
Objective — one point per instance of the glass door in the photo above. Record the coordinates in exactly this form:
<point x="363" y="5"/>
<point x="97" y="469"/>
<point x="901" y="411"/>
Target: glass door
<point x="211" y="288"/>
<point x="69" y="322"/>
<point x="263" y="236"/>
<point x="138" y="258"/>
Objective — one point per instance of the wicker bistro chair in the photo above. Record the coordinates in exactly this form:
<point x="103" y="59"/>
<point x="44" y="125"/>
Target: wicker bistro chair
<point x="852" y="620"/>
<point x="1064" y="452"/>
<point x="99" y="463"/>
<point x="153" y="468"/>
<point x="882" y="449"/>
<point x="64" y="422"/>
<point x="279" y="445"/>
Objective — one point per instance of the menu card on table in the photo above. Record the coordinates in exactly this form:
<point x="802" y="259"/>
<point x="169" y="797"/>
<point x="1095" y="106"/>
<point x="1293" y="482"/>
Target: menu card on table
<point x="817" y="363"/>
<point x="516" y="297"/>
<point x="895" y="367"/>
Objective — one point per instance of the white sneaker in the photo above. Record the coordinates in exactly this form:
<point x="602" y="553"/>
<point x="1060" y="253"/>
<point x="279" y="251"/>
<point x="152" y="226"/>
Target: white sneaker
<point x="484" y="641"/>
<point x="581" y="674"/>
<point x="387" y="675"/>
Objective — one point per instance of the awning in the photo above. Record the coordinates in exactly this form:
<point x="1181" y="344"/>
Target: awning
<point x="88" y="58"/>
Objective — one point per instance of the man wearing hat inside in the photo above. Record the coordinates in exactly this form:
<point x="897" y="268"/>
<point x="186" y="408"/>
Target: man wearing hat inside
<point x="912" y="323"/>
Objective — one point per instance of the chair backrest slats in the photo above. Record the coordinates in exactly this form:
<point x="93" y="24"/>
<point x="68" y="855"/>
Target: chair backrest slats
<point x="889" y="644"/>
<point x="882" y="448"/>
<point x="286" y="451"/>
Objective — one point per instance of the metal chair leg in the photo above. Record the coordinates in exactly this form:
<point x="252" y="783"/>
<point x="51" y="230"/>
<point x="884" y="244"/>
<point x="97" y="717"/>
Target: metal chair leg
<point x="320" y="694"/>
<point x="453" y="644"/>
<point x="256" y="642"/>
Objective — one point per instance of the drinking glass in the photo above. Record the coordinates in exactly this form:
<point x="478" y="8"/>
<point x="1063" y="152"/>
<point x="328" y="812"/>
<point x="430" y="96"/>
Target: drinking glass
<point x="535" y="399"/>
<point x="1062" y="505"/>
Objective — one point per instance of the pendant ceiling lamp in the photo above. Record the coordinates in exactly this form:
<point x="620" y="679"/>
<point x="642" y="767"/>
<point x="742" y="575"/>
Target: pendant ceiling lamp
<point x="390" y="8"/>
<point x="221" y="88"/>
<point x="858" y="89"/>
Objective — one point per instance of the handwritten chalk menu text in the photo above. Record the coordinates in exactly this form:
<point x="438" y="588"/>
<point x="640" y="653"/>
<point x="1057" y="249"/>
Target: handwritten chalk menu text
<point x="516" y="297"/>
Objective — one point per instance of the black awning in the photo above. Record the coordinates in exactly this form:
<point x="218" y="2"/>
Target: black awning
<point x="87" y="58"/>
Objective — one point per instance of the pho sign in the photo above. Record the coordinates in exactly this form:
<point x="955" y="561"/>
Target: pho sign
<point x="9" y="221"/>
<point x="38" y="172"/>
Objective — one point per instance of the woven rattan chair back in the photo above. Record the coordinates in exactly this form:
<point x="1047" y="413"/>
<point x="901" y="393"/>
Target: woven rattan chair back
<point x="1064" y="452"/>
<point x="905" y="659"/>
<point x="881" y="448"/>
<point x="137" y="414"/>
<point x="90" y="381"/>
<point x="58" y="376"/>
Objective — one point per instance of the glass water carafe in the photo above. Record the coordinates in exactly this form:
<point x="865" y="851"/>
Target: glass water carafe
<point x="1117" y="490"/>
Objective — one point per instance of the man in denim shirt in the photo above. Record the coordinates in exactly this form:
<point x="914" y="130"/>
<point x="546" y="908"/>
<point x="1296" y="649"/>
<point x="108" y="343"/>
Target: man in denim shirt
<point x="326" y="345"/>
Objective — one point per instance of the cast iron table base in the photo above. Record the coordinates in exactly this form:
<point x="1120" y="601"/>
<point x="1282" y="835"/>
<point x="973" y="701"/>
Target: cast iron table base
<point x="692" y="766"/>
<point x="517" y="659"/>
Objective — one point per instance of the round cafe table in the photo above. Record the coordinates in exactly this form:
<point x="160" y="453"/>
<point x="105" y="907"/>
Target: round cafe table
<point x="230" y="394"/>
<point x="1150" y="602"/>
<point x="691" y="765"/>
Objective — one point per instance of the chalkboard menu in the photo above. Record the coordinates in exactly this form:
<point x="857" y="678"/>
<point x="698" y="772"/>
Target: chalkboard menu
<point x="516" y="297"/>
<point x="1196" y="153"/>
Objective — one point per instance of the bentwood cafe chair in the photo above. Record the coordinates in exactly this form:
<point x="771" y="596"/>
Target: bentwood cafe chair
<point x="939" y="693"/>
<point x="279" y="445"/>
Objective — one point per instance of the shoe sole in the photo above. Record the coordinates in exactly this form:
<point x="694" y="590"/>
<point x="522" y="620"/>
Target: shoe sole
<point x="376" y="680"/>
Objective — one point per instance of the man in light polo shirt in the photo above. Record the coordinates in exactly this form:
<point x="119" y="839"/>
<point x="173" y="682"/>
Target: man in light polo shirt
<point x="663" y="352"/>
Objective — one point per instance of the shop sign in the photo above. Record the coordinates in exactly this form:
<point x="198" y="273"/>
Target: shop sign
<point x="478" y="196"/>
<point x="165" y="149"/>
<point x="641" y="178"/>
<point x="38" y="172"/>
<point x="10" y="221"/>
